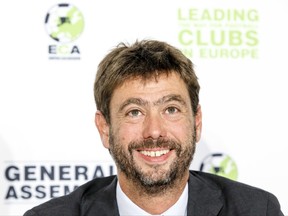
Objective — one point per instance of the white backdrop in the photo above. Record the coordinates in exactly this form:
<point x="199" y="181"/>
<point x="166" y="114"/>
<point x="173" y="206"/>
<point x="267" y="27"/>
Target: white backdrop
<point x="48" y="141"/>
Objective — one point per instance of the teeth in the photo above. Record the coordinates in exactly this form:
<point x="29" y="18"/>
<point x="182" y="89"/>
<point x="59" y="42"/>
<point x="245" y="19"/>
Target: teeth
<point x="154" y="153"/>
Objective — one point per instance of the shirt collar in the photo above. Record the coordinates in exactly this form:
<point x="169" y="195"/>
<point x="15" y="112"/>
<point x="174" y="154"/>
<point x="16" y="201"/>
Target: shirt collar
<point x="127" y="207"/>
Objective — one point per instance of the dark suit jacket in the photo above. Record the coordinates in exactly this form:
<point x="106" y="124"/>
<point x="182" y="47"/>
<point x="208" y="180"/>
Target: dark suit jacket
<point x="209" y="195"/>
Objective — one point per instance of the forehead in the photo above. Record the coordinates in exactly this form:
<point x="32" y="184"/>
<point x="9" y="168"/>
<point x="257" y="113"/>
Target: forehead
<point x="151" y="89"/>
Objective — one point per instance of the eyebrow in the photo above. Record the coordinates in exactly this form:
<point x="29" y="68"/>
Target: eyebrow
<point x="137" y="101"/>
<point x="170" y="97"/>
<point x="163" y="100"/>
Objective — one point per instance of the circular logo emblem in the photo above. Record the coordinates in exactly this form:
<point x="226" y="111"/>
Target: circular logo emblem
<point x="64" y="23"/>
<point x="220" y="164"/>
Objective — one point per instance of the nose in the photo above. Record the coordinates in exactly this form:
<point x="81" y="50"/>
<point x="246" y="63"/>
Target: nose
<point x="154" y="127"/>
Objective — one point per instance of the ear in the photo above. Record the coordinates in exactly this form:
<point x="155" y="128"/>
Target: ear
<point x="198" y="123"/>
<point x="103" y="128"/>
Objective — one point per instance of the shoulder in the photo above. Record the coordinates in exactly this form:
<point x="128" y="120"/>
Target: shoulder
<point x="224" y="184"/>
<point x="70" y="204"/>
<point x="227" y="186"/>
<point x="237" y="195"/>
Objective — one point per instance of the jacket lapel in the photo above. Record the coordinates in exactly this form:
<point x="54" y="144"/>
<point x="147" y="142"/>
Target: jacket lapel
<point x="204" y="198"/>
<point x="101" y="202"/>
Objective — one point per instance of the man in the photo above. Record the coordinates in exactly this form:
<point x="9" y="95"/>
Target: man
<point x="149" y="117"/>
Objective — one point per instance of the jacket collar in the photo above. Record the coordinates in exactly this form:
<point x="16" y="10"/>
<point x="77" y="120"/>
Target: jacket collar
<point x="204" y="199"/>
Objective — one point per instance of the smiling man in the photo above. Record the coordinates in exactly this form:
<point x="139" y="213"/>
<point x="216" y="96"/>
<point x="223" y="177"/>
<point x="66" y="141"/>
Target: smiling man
<point x="149" y="118"/>
<point x="151" y="136"/>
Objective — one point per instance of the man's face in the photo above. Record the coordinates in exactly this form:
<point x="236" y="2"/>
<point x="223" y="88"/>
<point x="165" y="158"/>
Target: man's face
<point x="152" y="133"/>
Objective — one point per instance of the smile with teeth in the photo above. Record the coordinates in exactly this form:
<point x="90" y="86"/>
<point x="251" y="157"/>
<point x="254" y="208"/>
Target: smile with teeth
<point x="157" y="153"/>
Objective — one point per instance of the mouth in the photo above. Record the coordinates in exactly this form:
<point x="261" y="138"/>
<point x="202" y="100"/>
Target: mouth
<point x="152" y="156"/>
<point x="154" y="153"/>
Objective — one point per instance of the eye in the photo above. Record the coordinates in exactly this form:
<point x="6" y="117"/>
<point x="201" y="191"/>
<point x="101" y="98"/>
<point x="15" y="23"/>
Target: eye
<point x="134" y="113"/>
<point x="171" y="110"/>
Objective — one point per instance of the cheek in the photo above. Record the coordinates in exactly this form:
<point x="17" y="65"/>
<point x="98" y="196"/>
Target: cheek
<point x="126" y="133"/>
<point x="182" y="131"/>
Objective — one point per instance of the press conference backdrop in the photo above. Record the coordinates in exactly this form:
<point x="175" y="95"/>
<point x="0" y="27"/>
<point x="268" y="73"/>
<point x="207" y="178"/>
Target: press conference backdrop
<point x="49" y="55"/>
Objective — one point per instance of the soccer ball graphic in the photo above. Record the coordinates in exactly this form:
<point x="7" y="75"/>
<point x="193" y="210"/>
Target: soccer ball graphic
<point x="64" y="23"/>
<point x="220" y="164"/>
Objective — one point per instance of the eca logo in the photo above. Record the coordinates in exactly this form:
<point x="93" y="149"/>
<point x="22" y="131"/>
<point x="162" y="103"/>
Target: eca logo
<point x="64" y="24"/>
<point x="220" y="164"/>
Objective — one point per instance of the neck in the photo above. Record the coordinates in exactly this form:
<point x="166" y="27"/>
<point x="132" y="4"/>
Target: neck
<point x="153" y="203"/>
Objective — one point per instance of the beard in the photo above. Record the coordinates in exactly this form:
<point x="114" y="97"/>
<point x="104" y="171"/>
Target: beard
<point x="156" y="180"/>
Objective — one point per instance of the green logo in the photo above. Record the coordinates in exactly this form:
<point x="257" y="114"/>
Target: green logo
<point x="216" y="33"/>
<point x="220" y="164"/>
<point x="64" y="23"/>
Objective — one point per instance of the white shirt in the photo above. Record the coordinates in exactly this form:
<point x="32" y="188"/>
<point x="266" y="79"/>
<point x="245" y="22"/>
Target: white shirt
<point x="127" y="207"/>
